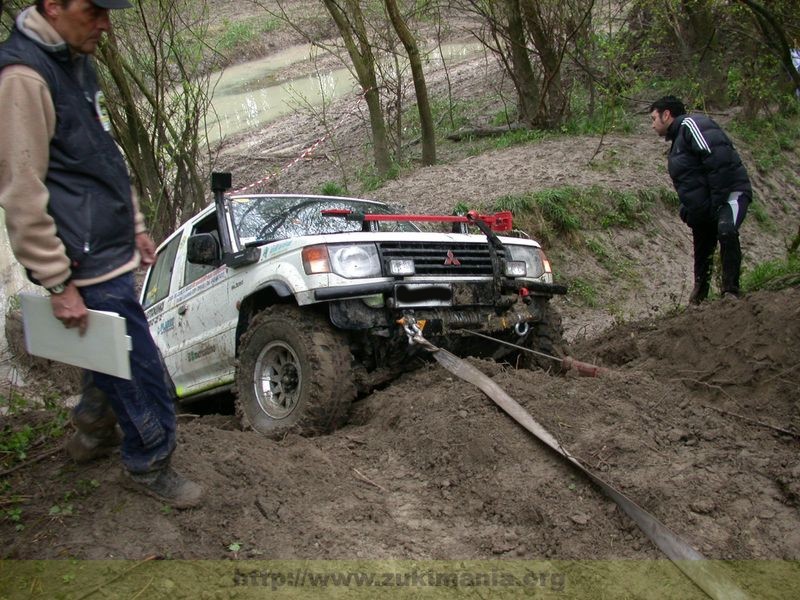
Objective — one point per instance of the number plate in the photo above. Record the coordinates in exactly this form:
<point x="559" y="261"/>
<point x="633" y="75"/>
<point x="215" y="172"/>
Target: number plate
<point x="408" y="295"/>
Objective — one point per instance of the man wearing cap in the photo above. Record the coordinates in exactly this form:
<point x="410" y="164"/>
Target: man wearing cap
<point x="74" y="224"/>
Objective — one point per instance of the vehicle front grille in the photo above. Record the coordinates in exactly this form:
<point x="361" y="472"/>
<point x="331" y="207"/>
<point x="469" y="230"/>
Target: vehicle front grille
<point x="438" y="258"/>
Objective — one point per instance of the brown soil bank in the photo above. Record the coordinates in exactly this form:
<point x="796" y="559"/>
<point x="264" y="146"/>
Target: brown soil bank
<point x="429" y="468"/>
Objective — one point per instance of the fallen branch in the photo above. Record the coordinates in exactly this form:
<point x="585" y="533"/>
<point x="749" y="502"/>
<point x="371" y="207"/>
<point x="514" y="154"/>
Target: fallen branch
<point x="782" y="373"/>
<point x="708" y="385"/>
<point x="482" y="132"/>
<point x="15" y="500"/>
<point x="141" y="591"/>
<point x="30" y="461"/>
<point x="754" y="421"/>
<point x="366" y="479"/>
<point x="117" y="577"/>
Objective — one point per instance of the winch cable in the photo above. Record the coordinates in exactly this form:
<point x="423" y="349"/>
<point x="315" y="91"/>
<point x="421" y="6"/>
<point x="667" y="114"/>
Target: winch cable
<point x="567" y="362"/>
<point x="694" y="565"/>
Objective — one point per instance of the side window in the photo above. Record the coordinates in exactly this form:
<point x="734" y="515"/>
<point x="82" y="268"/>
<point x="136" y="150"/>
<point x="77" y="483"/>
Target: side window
<point x="194" y="271"/>
<point x="161" y="274"/>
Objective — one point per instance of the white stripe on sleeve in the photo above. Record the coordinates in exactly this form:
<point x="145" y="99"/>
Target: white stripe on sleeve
<point x="695" y="131"/>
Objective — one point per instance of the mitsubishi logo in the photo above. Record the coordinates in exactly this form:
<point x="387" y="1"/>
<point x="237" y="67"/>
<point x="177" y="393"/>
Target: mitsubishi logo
<point x="451" y="259"/>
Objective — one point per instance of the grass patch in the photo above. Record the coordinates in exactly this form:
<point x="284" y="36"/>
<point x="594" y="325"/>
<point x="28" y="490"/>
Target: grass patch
<point x="771" y="140"/>
<point x="566" y="211"/>
<point x="584" y="292"/>
<point x="371" y="180"/>
<point x="773" y="275"/>
<point x="515" y="137"/>
<point x="759" y="213"/>
<point x="610" y="260"/>
<point x="447" y="117"/>
<point x="333" y="188"/>
<point x="606" y="118"/>
<point x="19" y="436"/>
<point x="237" y="34"/>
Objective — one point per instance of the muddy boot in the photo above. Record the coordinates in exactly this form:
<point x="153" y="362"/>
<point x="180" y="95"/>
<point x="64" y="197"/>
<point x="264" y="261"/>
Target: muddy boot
<point x="97" y="432"/>
<point x="699" y="292"/>
<point x="168" y="486"/>
<point x="83" y="447"/>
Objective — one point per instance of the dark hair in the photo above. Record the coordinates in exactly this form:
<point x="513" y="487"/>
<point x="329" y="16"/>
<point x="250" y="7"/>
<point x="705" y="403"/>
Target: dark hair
<point x="670" y="103"/>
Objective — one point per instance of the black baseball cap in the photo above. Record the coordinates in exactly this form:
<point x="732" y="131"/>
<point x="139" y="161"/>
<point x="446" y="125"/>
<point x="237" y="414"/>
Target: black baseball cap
<point x="112" y="4"/>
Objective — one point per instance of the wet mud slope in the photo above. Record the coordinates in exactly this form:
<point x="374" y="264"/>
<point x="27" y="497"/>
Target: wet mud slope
<point x="694" y="422"/>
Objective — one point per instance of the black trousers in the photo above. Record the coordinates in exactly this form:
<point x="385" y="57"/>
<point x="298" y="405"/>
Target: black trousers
<point x="724" y="230"/>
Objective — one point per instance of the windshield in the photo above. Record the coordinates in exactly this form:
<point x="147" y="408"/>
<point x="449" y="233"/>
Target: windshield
<point x="269" y="218"/>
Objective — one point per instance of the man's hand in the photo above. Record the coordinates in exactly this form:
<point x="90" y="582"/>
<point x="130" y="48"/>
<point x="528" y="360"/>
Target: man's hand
<point x="68" y="307"/>
<point x="147" y="248"/>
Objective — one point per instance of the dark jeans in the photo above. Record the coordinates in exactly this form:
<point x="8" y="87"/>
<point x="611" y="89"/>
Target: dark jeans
<point x="724" y="230"/>
<point x="143" y="406"/>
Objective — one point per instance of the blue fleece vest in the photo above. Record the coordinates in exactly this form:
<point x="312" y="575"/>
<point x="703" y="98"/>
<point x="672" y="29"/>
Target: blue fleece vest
<point x="90" y="194"/>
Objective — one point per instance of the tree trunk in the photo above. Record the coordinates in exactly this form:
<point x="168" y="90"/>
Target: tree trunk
<point x="420" y="88"/>
<point x="553" y="100"/>
<point x="703" y="40"/>
<point x="353" y="30"/>
<point x="522" y="74"/>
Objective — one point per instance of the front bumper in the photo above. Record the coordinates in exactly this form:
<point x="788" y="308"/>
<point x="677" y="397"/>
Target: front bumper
<point x="389" y="288"/>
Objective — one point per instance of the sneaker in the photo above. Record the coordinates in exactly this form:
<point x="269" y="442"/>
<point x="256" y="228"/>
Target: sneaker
<point x="730" y="296"/>
<point x="168" y="486"/>
<point x="84" y="447"/>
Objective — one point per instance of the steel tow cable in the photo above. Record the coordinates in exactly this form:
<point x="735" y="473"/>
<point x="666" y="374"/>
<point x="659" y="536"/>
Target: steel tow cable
<point x="702" y="572"/>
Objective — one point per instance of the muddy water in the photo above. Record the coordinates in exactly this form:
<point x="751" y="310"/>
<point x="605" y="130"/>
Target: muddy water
<point x="249" y="94"/>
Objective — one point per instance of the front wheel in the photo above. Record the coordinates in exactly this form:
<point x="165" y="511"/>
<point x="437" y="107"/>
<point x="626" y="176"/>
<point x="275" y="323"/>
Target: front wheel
<point x="293" y="373"/>
<point x="545" y="337"/>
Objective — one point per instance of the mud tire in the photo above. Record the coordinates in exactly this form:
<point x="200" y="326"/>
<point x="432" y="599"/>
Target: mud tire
<point x="547" y="336"/>
<point x="293" y="374"/>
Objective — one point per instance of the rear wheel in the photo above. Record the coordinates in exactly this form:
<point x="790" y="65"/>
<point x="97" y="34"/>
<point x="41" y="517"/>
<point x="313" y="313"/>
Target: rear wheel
<point x="293" y="373"/>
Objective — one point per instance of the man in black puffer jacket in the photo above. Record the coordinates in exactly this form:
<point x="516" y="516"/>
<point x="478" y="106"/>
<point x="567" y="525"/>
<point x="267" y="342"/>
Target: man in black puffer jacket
<point x="713" y="188"/>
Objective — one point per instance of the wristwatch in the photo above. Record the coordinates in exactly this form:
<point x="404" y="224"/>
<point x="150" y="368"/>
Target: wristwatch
<point x="58" y="288"/>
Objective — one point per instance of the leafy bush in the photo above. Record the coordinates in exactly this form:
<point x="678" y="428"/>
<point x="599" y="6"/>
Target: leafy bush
<point x="770" y="139"/>
<point x="333" y="188"/>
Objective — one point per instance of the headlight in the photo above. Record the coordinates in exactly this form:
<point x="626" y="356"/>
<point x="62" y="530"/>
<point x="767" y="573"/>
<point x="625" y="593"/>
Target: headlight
<point x="531" y="256"/>
<point x="355" y="261"/>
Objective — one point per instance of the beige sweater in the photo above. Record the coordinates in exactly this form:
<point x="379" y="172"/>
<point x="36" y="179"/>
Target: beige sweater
<point x="29" y="121"/>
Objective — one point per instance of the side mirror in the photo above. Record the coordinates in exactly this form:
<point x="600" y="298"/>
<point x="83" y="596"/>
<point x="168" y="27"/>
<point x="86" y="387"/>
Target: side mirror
<point x="203" y="249"/>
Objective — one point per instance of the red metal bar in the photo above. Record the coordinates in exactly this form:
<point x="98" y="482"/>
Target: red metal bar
<point x="500" y="221"/>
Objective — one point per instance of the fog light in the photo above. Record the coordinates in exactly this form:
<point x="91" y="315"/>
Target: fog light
<point x="399" y="267"/>
<point x="515" y="268"/>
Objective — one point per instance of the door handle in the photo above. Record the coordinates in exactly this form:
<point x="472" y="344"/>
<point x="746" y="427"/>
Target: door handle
<point x="182" y="310"/>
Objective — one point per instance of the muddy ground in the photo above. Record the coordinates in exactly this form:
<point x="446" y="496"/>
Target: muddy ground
<point x="693" y="421"/>
<point x="698" y="419"/>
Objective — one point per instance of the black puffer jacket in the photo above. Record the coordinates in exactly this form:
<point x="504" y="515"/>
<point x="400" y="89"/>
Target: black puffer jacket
<point x="704" y="166"/>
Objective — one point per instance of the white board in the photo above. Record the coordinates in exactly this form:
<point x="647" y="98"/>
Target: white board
<point x="105" y="347"/>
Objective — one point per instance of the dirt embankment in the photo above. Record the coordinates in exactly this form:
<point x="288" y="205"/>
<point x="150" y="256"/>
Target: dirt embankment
<point x="687" y="423"/>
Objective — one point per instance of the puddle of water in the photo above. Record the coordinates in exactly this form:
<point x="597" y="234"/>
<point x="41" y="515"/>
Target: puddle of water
<point x="248" y="95"/>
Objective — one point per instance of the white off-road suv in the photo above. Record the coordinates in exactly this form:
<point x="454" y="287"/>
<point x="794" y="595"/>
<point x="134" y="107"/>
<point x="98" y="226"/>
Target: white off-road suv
<point x="297" y="302"/>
